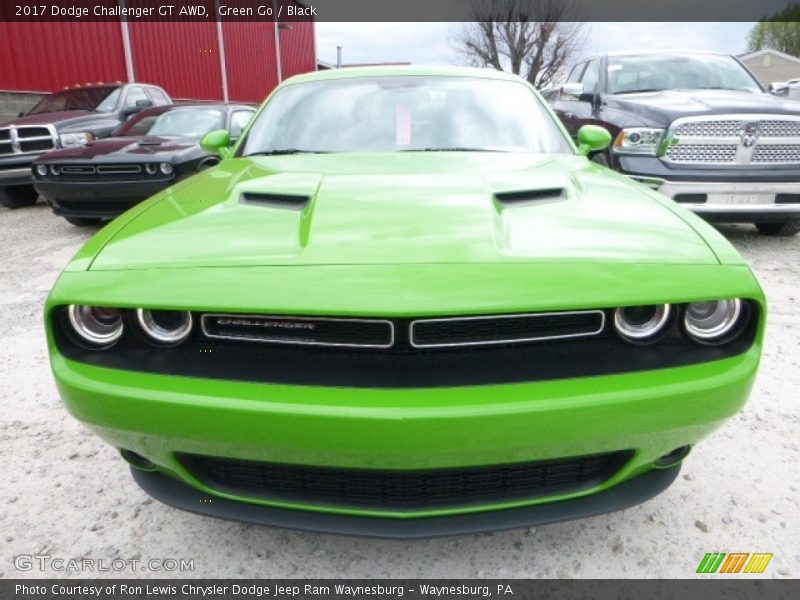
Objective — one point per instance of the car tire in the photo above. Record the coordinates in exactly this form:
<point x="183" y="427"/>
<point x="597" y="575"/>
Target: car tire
<point x="785" y="228"/>
<point x="82" y="222"/>
<point x="18" y="196"/>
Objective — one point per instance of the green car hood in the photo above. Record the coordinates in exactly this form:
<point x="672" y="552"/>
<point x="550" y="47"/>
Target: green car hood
<point x="402" y="208"/>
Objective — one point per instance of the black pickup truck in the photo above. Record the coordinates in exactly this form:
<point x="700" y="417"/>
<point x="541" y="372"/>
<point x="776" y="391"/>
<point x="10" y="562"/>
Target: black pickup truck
<point x="700" y="129"/>
<point x="65" y="119"/>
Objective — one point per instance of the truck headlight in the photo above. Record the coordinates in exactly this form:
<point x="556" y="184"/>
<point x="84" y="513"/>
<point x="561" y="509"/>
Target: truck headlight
<point x="638" y="140"/>
<point x="70" y="140"/>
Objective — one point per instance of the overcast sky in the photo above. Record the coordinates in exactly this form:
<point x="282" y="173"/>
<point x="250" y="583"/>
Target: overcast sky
<point x="427" y="43"/>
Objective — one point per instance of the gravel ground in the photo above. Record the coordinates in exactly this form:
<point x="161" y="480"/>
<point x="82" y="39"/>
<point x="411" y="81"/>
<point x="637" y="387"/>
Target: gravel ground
<point x="67" y="495"/>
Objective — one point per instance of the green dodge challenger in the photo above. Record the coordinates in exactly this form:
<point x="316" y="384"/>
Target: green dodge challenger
<point x="404" y="304"/>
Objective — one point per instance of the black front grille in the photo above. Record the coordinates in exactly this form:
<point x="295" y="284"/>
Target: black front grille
<point x="313" y="331"/>
<point x="401" y="365"/>
<point x="122" y="169"/>
<point x="35" y="145"/>
<point x="473" y="331"/>
<point x="32" y="132"/>
<point x="68" y="170"/>
<point x="110" y="172"/>
<point x="409" y="490"/>
<point x="114" y="207"/>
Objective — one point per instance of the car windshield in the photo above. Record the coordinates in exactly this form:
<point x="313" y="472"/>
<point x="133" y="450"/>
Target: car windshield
<point x="138" y="124"/>
<point x="101" y="99"/>
<point x="188" y="122"/>
<point x="631" y="74"/>
<point x="407" y="113"/>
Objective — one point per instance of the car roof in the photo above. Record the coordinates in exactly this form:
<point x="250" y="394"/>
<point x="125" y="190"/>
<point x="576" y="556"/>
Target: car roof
<point x="217" y="105"/>
<point x="400" y="71"/>
<point x="662" y="53"/>
<point x="155" y="110"/>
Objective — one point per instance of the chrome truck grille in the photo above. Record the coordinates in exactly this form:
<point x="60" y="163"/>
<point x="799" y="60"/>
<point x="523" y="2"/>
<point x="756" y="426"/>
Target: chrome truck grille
<point x="27" y="139"/>
<point x="759" y="140"/>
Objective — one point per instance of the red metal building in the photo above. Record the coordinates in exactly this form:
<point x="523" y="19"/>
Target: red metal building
<point x="200" y="60"/>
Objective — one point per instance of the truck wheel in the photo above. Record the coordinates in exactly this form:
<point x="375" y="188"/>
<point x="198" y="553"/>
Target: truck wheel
<point x="17" y="196"/>
<point x="785" y="228"/>
<point x="81" y="222"/>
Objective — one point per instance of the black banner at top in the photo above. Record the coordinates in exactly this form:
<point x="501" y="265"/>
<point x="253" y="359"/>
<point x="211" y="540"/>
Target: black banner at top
<point x="393" y="10"/>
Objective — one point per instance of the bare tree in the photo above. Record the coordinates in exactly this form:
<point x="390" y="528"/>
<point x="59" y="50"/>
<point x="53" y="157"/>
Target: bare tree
<point x="531" y="38"/>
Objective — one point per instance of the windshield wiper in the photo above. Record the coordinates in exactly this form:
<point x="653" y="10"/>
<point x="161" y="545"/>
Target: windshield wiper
<point x="456" y="149"/>
<point x="719" y="87"/>
<point x="284" y="151"/>
<point x="640" y="91"/>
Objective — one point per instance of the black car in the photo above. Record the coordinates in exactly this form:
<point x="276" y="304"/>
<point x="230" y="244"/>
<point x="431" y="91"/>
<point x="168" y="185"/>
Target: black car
<point x="150" y="152"/>
<point x="698" y="128"/>
<point x="64" y="119"/>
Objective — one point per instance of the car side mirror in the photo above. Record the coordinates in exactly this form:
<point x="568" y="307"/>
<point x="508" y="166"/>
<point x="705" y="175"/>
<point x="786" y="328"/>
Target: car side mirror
<point x="21" y="114"/>
<point x="217" y="142"/>
<point x="138" y="107"/>
<point x="573" y="89"/>
<point x="593" y="138"/>
<point x="779" y="88"/>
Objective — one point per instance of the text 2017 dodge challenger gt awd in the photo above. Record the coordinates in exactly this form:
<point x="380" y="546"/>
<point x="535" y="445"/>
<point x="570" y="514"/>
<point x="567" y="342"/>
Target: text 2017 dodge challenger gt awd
<point x="405" y="305"/>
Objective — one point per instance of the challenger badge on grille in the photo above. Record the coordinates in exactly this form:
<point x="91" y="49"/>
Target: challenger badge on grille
<point x="314" y="331"/>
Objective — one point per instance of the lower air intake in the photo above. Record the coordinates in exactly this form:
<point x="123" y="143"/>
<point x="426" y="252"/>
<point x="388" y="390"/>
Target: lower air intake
<point x="409" y="490"/>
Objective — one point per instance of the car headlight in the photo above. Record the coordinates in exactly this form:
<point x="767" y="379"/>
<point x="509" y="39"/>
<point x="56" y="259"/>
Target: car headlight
<point x="151" y="168"/>
<point x="166" y="168"/>
<point x="638" y="140"/>
<point x="70" y="140"/>
<point x="55" y="170"/>
<point x="166" y="327"/>
<point x="642" y="324"/>
<point x="41" y="170"/>
<point x="98" y="325"/>
<point x="712" y="322"/>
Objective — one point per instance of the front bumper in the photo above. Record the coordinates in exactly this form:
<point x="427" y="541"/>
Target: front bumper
<point x="736" y="201"/>
<point x="98" y="199"/>
<point x="651" y="413"/>
<point x="632" y="492"/>
<point x="723" y="194"/>
<point x="16" y="170"/>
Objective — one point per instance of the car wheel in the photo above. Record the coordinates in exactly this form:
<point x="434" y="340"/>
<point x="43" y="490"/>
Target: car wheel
<point x="780" y="229"/>
<point x="81" y="222"/>
<point x="17" y="196"/>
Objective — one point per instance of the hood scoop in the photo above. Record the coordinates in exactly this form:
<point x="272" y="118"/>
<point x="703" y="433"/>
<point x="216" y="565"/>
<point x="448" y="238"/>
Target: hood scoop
<point x="290" y="201"/>
<point x="524" y="197"/>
